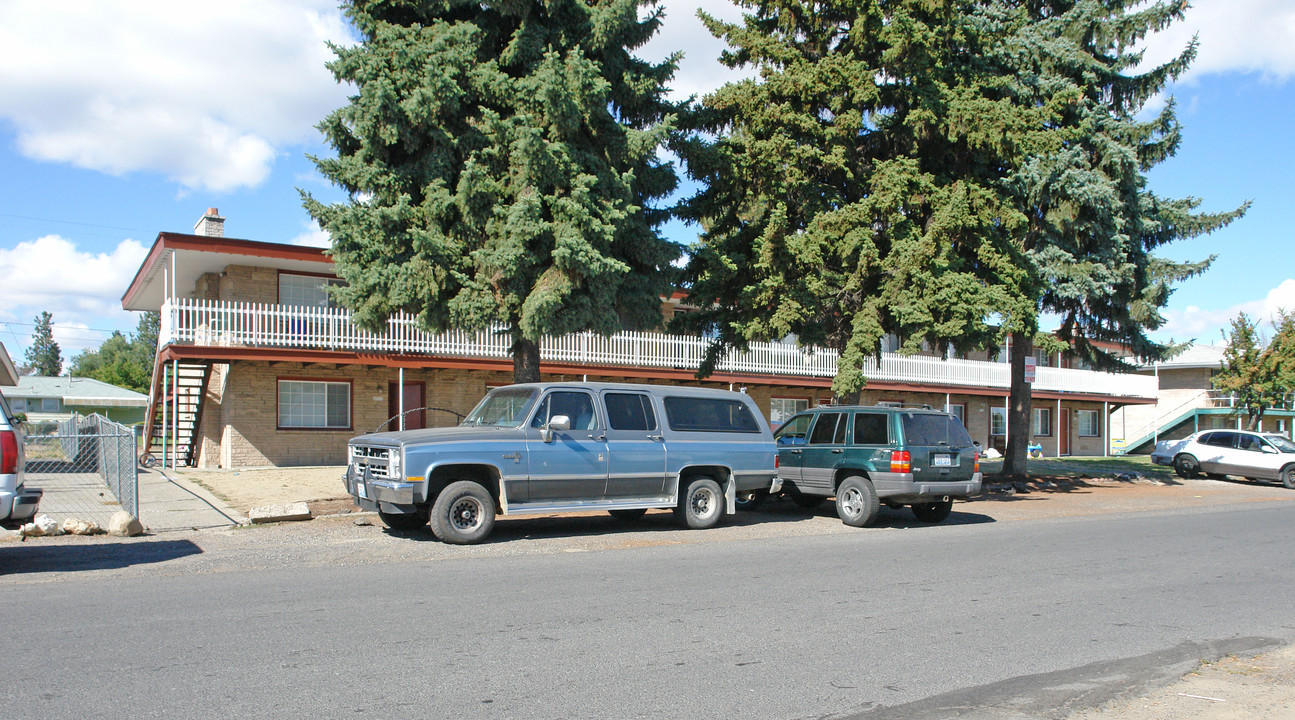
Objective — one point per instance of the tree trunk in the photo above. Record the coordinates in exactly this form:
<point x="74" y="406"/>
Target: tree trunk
<point x="847" y="398"/>
<point x="526" y="360"/>
<point x="1018" y="410"/>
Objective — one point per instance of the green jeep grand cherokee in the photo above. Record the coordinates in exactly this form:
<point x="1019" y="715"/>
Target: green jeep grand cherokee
<point x="865" y="456"/>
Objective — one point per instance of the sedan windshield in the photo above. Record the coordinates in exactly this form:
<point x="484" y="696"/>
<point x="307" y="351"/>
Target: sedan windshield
<point x="506" y="407"/>
<point x="1282" y="443"/>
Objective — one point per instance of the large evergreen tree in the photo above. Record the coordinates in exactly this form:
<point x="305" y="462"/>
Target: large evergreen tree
<point x="501" y="159"/>
<point x="835" y="207"/>
<point x="43" y="355"/>
<point x="1086" y="224"/>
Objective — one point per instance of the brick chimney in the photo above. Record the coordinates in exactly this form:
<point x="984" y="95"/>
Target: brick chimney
<point x="211" y="224"/>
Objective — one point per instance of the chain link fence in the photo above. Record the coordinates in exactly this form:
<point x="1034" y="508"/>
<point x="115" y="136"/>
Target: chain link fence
<point x="85" y="465"/>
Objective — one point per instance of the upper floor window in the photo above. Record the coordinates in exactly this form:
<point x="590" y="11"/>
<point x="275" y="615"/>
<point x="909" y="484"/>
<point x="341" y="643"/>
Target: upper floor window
<point x="306" y="290"/>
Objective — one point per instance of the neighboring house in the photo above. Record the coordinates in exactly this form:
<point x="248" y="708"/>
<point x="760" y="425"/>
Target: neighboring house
<point x="1187" y="403"/>
<point x="8" y="373"/>
<point x="267" y="371"/>
<point x="53" y="399"/>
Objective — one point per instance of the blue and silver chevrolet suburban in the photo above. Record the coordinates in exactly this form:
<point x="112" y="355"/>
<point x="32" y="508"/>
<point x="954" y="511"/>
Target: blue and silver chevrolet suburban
<point x="563" y="447"/>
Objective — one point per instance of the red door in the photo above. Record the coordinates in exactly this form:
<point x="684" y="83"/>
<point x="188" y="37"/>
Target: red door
<point x="413" y="401"/>
<point x="1063" y="430"/>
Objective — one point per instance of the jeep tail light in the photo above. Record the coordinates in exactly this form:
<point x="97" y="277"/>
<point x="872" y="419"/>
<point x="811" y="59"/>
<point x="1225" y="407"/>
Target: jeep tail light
<point x="976" y="468"/>
<point x="8" y="452"/>
<point x="901" y="461"/>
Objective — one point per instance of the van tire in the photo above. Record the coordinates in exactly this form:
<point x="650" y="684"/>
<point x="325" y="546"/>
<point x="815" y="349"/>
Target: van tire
<point x="856" y="502"/>
<point x="464" y="513"/>
<point x="933" y="512"/>
<point x="700" y="504"/>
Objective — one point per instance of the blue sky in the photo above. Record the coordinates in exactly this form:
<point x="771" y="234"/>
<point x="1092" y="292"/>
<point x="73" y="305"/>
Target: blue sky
<point x="121" y="120"/>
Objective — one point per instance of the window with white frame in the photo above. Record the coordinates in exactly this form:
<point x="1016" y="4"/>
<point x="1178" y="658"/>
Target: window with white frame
<point x="18" y="405"/>
<point x="314" y="404"/>
<point x="1043" y="421"/>
<point x="1087" y="424"/>
<point x="997" y="421"/>
<point x="781" y="409"/>
<point x="306" y="290"/>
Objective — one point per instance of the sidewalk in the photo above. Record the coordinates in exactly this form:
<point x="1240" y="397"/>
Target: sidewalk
<point x="168" y="501"/>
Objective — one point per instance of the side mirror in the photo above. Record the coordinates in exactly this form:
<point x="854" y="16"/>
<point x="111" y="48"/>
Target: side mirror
<point x="1268" y="449"/>
<point x="557" y="422"/>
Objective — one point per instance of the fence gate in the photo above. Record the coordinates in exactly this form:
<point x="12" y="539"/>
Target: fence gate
<point x="86" y="466"/>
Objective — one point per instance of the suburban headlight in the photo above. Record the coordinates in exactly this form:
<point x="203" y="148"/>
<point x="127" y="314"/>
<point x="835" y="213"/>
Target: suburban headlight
<point x="393" y="471"/>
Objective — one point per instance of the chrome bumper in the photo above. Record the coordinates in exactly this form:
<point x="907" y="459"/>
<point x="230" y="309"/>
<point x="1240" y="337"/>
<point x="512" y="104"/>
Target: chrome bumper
<point x="379" y="490"/>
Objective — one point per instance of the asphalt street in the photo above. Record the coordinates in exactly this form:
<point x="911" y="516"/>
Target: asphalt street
<point x="992" y="620"/>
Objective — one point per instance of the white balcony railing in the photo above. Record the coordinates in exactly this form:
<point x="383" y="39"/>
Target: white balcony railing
<point x="221" y="323"/>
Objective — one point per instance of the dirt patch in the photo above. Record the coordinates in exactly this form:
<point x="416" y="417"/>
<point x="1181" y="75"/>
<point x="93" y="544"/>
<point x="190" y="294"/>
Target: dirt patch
<point x="245" y="489"/>
<point x="1234" y="688"/>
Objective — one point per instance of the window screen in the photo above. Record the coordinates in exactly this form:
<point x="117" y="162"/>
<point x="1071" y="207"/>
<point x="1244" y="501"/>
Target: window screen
<point x="698" y="414"/>
<point x="871" y="429"/>
<point x="629" y="411"/>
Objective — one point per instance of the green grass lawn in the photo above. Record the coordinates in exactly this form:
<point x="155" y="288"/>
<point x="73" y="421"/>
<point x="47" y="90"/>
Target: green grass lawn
<point x="1078" y="467"/>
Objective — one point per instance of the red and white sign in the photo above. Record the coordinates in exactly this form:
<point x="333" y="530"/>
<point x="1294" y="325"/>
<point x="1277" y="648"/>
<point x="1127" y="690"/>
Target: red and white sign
<point x="1030" y="362"/>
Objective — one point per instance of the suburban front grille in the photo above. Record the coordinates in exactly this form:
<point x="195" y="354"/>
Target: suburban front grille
<point x="377" y="461"/>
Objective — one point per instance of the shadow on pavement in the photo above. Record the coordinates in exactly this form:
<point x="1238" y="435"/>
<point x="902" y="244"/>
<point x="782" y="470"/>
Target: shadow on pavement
<point x="34" y="558"/>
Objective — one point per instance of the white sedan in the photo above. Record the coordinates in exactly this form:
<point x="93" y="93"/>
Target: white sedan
<point x="1256" y="456"/>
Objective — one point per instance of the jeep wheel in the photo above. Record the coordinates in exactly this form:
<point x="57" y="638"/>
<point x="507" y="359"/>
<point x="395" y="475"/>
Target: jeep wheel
<point x="1187" y="466"/>
<point x="404" y="522"/>
<point x="700" y="504"/>
<point x="634" y="514"/>
<point x="464" y="513"/>
<point x="856" y="502"/>
<point x="933" y="512"/>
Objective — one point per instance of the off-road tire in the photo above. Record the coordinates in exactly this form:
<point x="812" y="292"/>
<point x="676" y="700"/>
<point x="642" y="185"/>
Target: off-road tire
<point x="404" y="522"/>
<point x="628" y="515"/>
<point x="700" y="504"/>
<point x="1187" y="466"/>
<point x="464" y="513"/>
<point x="856" y="502"/>
<point x="933" y="512"/>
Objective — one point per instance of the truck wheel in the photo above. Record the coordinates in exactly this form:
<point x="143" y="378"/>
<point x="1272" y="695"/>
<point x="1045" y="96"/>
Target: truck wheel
<point x="1187" y="466"/>
<point x="700" y="504"/>
<point x="404" y="521"/>
<point x="1288" y="477"/>
<point x="464" y="513"/>
<point x="628" y="514"/>
<point x="856" y="502"/>
<point x="933" y="512"/>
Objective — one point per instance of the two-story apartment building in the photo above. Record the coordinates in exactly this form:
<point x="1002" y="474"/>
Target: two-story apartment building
<point x="257" y="367"/>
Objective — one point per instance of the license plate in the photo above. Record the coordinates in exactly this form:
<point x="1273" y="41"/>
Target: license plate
<point x="359" y="488"/>
<point x="941" y="461"/>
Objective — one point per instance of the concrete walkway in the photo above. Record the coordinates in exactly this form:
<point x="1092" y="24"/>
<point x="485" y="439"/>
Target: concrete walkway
<point x="166" y="502"/>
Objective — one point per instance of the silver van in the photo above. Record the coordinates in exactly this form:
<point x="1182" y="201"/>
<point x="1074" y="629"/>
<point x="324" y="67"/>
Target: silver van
<point x="563" y="447"/>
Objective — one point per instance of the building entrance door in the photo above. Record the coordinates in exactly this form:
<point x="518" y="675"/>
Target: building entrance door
<point x="413" y="401"/>
<point x="1063" y="432"/>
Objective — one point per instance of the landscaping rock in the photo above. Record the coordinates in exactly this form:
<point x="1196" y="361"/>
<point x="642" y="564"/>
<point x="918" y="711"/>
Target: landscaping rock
<point x="72" y="526"/>
<point x="10" y="535"/>
<point x="41" y="525"/>
<point x="279" y="513"/>
<point x="123" y="524"/>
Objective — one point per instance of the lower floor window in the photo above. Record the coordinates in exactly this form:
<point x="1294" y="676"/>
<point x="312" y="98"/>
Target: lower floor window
<point x="1087" y="424"/>
<point x="997" y="421"/>
<point x="781" y="409"/>
<point x="1043" y="421"/>
<point x="311" y="404"/>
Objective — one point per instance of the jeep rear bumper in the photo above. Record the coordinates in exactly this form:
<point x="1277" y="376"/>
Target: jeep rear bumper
<point x="902" y="488"/>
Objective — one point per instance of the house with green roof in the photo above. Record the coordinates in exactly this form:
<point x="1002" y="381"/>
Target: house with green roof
<point x="53" y="399"/>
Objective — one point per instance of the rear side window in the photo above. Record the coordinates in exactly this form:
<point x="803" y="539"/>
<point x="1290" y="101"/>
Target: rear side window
<point x="629" y="411"/>
<point x="933" y="429"/>
<point x="871" y="429"/>
<point x="700" y="414"/>
<point x="1220" y="439"/>
<point x="828" y="430"/>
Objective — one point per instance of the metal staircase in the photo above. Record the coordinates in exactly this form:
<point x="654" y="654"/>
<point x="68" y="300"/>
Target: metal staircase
<point x="175" y="404"/>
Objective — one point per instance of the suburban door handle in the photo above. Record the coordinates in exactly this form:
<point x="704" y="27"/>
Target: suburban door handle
<point x="600" y="437"/>
<point x="654" y="437"/>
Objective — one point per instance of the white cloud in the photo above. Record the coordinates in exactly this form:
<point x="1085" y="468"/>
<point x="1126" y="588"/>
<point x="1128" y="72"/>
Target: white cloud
<point x="700" y="71"/>
<point x="207" y="93"/>
<point x="1209" y="326"/>
<point x="1235" y="36"/>
<point x="313" y="236"/>
<point x="80" y="289"/>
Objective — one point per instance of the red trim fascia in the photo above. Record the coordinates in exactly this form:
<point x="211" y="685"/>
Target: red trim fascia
<point x="229" y="246"/>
